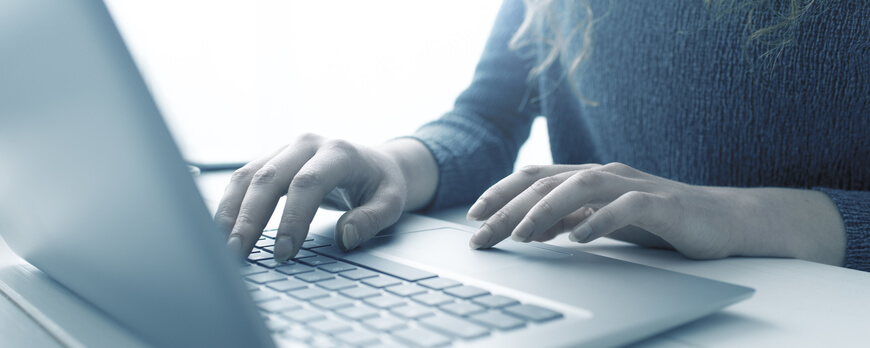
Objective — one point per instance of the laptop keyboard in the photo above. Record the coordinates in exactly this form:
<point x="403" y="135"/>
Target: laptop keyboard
<point x="317" y="299"/>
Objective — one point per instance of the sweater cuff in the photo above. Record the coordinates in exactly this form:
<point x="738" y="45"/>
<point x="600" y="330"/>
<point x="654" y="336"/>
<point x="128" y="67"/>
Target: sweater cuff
<point x="854" y="207"/>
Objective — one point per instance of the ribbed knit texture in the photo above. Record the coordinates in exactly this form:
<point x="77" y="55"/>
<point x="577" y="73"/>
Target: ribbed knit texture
<point x="680" y="95"/>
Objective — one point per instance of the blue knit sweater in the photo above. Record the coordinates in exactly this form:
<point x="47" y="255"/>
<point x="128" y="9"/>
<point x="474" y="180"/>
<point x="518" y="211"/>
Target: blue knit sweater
<point x="680" y="94"/>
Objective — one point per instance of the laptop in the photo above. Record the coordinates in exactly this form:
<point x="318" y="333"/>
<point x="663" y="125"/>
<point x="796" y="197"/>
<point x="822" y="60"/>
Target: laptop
<point x="95" y="194"/>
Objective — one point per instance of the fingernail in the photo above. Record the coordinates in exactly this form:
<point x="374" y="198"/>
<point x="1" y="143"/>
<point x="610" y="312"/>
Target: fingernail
<point x="477" y="209"/>
<point x="350" y="237"/>
<point x="580" y="234"/>
<point x="234" y="245"/>
<point x="480" y="238"/>
<point x="523" y="230"/>
<point x="283" y="248"/>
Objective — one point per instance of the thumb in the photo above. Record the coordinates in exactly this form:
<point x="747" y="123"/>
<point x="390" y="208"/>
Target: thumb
<point x="360" y="224"/>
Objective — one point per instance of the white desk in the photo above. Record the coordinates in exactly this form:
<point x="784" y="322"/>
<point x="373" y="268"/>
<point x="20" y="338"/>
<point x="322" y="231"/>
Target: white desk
<point x="797" y="303"/>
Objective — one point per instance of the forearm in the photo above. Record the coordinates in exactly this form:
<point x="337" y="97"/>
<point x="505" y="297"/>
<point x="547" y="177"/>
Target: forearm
<point x="795" y="223"/>
<point x="419" y="169"/>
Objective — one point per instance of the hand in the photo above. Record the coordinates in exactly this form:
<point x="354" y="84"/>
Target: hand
<point x="702" y="222"/>
<point x="337" y="173"/>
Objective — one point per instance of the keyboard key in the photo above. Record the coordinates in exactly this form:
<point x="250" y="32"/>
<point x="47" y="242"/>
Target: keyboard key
<point x="270" y="233"/>
<point x="263" y="295"/>
<point x="406" y="290"/>
<point x="324" y="342"/>
<point x="466" y="291"/>
<point x="332" y="303"/>
<point x="315" y="244"/>
<point x="358" y="338"/>
<point x="421" y="337"/>
<point x="271" y="263"/>
<point x="331" y="326"/>
<point x="360" y="292"/>
<point x="385" y="323"/>
<point x="463" y="309"/>
<point x="498" y="320"/>
<point x="277" y="325"/>
<point x="304" y="315"/>
<point x="358" y="312"/>
<point x="287" y="285"/>
<point x="337" y="267"/>
<point x="252" y="269"/>
<point x="263" y="278"/>
<point x="532" y="312"/>
<point x="298" y="334"/>
<point x="264" y="242"/>
<point x="439" y="283"/>
<point x="252" y="286"/>
<point x="308" y="294"/>
<point x="317" y="260"/>
<point x="260" y="256"/>
<point x="336" y="284"/>
<point x="454" y="326"/>
<point x="294" y="269"/>
<point x="433" y="299"/>
<point x="382" y="281"/>
<point x="380" y="264"/>
<point x="412" y="311"/>
<point x="495" y="301"/>
<point x="358" y="274"/>
<point x="315" y="276"/>
<point x="303" y="254"/>
<point x="278" y="306"/>
<point x="386" y="301"/>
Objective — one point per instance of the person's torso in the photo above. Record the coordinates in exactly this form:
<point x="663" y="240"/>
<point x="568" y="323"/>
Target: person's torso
<point x="682" y="95"/>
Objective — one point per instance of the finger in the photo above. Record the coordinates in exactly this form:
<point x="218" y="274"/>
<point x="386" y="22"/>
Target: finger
<point x="641" y="209"/>
<point x="585" y="188"/>
<point x="506" y="189"/>
<point x="502" y="222"/>
<point x="234" y="193"/>
<point x="267" y="185"/>
<point x="566" y="224"/>
<point x="362" y="223"/>
<point x="332" y="163"/>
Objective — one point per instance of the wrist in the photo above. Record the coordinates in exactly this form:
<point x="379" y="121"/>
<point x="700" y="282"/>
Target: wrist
<point x="794" y="223"/>
<point x="418" y="168"/>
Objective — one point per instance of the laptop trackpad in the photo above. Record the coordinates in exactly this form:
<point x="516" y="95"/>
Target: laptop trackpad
<point x="448" y="248"/>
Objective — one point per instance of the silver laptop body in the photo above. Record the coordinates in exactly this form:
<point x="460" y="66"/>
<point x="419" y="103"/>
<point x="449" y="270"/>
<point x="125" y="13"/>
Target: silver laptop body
<point x="95" y="194"/>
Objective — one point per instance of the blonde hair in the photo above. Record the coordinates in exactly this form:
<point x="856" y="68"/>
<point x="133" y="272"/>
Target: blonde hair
<point x="544" y="18"/>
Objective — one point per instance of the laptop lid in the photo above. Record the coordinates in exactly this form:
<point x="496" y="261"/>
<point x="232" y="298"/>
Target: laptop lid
<point x="94" y="191"/>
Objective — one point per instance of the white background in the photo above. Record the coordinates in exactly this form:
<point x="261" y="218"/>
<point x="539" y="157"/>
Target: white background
<point x="237" y="79"/>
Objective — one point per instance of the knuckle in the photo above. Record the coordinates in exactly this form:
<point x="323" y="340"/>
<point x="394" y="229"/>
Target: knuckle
<point x="308" y="138"/>
<point x="499" y="219"/>
<point x="621" y="169"/>
<point x="543" y="208"/>
<point x="530" y="170"/>
<point x="224" y="216"/>
<point x="545" y="185"/>
<point x="371" y="220"/>
<point x="607" y="218"/>
<point x="306" y="179"/>
<point x="244" y="220"/>
<point x="638" y="199"/>
<point x="616" y="167"/>
<point x="588" y="179"/>
<point x="341" y="146"/>
<point x="289" y="218"/>
<point x="265" y="176"/>
<point x="242" y="174"/>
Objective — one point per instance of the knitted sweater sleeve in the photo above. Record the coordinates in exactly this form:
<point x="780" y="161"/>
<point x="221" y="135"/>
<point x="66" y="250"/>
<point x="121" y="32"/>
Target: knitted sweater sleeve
<point x="854" y="207"/>
<point x="476" y="143"/>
